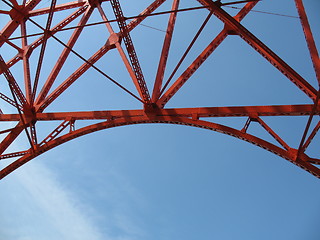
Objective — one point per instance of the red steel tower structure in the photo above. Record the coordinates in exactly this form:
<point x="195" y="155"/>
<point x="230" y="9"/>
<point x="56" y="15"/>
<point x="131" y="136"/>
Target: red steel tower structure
<point x="32" y="86"/>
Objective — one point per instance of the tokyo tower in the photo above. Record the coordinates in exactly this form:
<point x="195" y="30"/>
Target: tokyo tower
<point x="73" y="68"/>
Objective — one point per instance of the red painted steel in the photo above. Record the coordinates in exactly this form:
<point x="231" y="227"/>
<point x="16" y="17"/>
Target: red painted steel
<point x="309" y="37"/>
<point x="143" y="15"/>
<point x="201" y="58"/>
<point x="30" y="105"/>
<point x="64" y="55"/>
<point x="57" y="8"/>
<point x="25" y="60"/>
<point x="165" y="52"/>
<point x="39" y="41"/>
<point x="135" y="69"/>
<point x="12" y="82"/>
<point x="261" y="48"/>
<point x="17" y="13"/>
<point x="46" y="34"/>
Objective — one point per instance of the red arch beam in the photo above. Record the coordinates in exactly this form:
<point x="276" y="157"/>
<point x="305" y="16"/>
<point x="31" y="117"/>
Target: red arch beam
<point x="291" y="155"/>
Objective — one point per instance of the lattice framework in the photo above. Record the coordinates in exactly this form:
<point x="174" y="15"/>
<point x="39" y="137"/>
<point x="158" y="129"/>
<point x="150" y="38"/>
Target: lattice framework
<point x="31" y="98"/>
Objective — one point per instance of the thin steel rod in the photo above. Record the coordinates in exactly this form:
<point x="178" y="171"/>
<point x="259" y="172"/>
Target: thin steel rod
<point x="315" y="106"/>
<point x="239" y="2"/>
<point x="113" y="20"/>
<point x="63" y="57"/>
<point x="42" y="51"/>
<point x="164" y="53"/>
<point x="311" y="136"/>
<point x="270" y="13"/>
<point x="10" y="43"/>
<point x="186" y="53"/>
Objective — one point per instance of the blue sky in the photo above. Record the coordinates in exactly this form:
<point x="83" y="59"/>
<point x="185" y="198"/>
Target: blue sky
<point x="173" y="182"/>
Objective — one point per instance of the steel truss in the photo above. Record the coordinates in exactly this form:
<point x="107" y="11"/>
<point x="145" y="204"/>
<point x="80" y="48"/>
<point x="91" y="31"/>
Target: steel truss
<point x="30" y="98"/>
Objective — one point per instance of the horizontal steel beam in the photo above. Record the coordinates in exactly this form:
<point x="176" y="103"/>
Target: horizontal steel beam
<point x="202" y="112"/>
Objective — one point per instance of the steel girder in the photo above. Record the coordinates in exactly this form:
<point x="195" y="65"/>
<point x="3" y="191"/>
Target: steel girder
<point x="30" y="104"/>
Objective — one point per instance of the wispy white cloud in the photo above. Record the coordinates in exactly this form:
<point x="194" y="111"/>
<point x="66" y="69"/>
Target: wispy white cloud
<point x="38" y="206"/>
<point x="53" y="211"/>
<point x="67" y="215"/>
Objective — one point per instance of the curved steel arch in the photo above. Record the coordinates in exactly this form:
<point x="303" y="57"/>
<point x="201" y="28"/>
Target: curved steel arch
<point x="289" y="154"/>
<point x="30" y="98"/>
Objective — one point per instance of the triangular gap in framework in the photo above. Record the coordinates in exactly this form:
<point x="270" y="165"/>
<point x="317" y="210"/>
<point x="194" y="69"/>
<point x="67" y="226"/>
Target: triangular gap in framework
<point x="49" y="130"/>
<point x="51" y="56"/>
<point x="289" y="129"/>
<point x="277" y="85"/>
<point x="5" y="89"/>
<point x="279" y="27"/>
<point x="147" y="42"/>
<point x="126" y="48"/>
<point x="236" y="75"/>
<point x="87" y="44"/>
<point x="148" y="39"/>
<point x="183" y="37"/>
<point x="100" y="92"/>
<point x="86" y="51"/>
<point x="313" y="149"/>
<point x="21" y="144"/>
